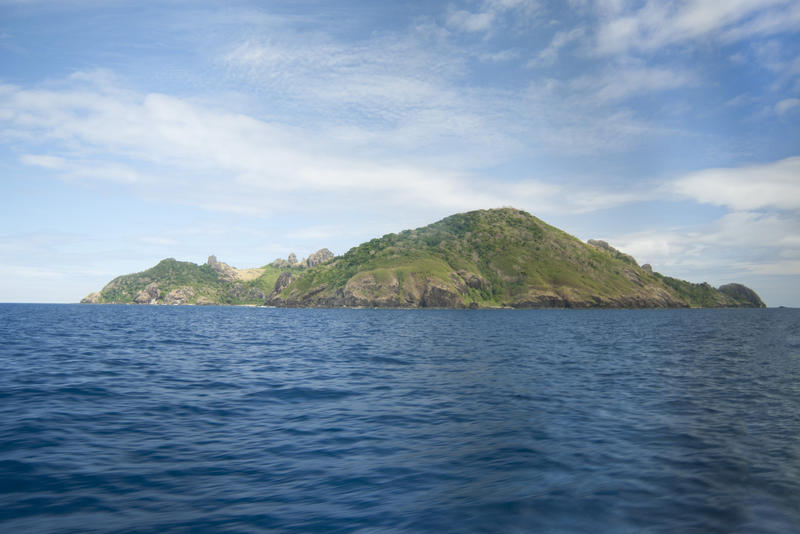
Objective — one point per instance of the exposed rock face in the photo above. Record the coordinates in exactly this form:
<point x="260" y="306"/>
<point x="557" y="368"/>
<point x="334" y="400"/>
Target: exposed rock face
<point x="599" y="243"/>
<point x="366" y="291"/>
<point x="148" y="295"/>
<point x="647" y="267"/>
<point x="284" y="279"/>
<point x="291" y="261"/>
<point x="319" y="257"/>
<point x="226" y="271"/>
<point x="240" y="291"/>
<point x="280" y="263"/>
<point x="475" y="281"/>
<point x="91" y="298"/>
<point x="182" y="295"/>
<point x="439" y="297"/>
<point x="742" y="293"/>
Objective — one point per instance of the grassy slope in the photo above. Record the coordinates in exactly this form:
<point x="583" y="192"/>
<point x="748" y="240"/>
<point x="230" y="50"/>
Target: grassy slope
<point x="517" y="257"/>
<point x="205" y="282"/>
<point x="511" y="257"/>
<point x="170" y="274"/>
<point x="515" y="254"/>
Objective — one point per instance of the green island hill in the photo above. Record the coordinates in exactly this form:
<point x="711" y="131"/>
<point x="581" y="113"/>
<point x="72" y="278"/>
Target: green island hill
<point x="497" y="258"/>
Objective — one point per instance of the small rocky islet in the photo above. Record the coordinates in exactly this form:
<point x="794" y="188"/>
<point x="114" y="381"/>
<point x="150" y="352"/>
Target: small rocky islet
<point x="498" y="258"/>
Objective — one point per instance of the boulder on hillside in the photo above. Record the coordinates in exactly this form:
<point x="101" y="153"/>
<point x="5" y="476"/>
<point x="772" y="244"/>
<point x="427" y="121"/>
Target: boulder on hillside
<point x="321" y="256"/>
<point x="599" y="243"/>
<point x="291" y="261"/>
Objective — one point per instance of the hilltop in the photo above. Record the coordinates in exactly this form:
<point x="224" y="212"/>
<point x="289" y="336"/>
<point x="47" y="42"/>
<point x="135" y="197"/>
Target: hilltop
<point x="487" y="258"/>
<point x="214" y="282"/>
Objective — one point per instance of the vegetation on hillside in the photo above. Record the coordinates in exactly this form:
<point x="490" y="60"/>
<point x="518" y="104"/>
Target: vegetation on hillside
<point x="487" y="258"/>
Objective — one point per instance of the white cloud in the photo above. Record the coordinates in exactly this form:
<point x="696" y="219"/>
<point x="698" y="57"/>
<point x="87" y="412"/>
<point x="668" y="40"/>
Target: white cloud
<point x="470" y="22"/>
<point x="739" y="243"/>
<point x="549" y="54"/>
<point x="768" y="22"/>
<point x="185" y="152"/>
<point x="44" y="161"/>
<point x="80" y="170"/>
<point x="524" y="5"/>
<point x="487" y="18"/>
<point x="662" y="23"/>
<point x="623" y="83"/>
<point x="786" y="105"/>
<point x="498" y="57"/>
<point x="769" y="185"/>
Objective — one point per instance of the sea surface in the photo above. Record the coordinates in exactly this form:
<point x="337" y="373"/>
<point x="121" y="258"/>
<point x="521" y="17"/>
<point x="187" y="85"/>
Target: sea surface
<point x="233" y="419"/>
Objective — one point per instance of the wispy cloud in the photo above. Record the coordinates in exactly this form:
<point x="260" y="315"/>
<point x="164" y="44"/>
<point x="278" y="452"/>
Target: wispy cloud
<point x="662" y="23"/>
<point x="738" y="244"/>
<point x="84" y="170"/>
<point x="618" y="84"/>
<point x="787" y="105"/>
<point x="190" y="153"/>
<point x="470" y="22"/>
<point x="489" y="14"/>
<point x="561" y="39"/>
<point x="769" y="185"/>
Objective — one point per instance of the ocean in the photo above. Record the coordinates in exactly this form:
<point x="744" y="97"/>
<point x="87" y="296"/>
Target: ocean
<point x="234" y="419"/>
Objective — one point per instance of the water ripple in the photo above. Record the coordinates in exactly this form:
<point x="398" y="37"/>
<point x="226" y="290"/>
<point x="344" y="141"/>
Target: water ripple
<point x="210" y="419"/>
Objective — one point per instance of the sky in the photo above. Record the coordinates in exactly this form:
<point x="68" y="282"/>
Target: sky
<point x="134" y="131"/>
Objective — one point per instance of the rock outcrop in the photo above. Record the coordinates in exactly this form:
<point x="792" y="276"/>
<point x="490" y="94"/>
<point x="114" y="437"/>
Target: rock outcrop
<point x="148" y="295"/>
<point x="226" y="271"/>
<point x="599" y="243"/>
<point x="92" y="298"/>
<point x="178" y="296"/>
<point x="319" y="257"/>
<point x="743" y="294"/>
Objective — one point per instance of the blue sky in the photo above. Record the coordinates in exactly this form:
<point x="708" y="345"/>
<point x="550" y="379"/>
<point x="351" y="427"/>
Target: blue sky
<point x="134" y="131"/>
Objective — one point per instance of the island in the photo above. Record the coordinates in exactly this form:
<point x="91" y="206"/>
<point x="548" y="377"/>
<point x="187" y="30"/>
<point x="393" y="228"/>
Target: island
<point x="496" y="258"/>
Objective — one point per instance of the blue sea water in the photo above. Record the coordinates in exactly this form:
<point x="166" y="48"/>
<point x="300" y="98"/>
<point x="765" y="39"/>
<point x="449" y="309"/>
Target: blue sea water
<point x="225" y="419"/>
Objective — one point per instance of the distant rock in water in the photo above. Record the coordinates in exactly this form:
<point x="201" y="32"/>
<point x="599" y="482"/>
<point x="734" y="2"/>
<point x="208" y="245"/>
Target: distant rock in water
<point x="500" y="258"/>
<point x="743" y="294"/>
